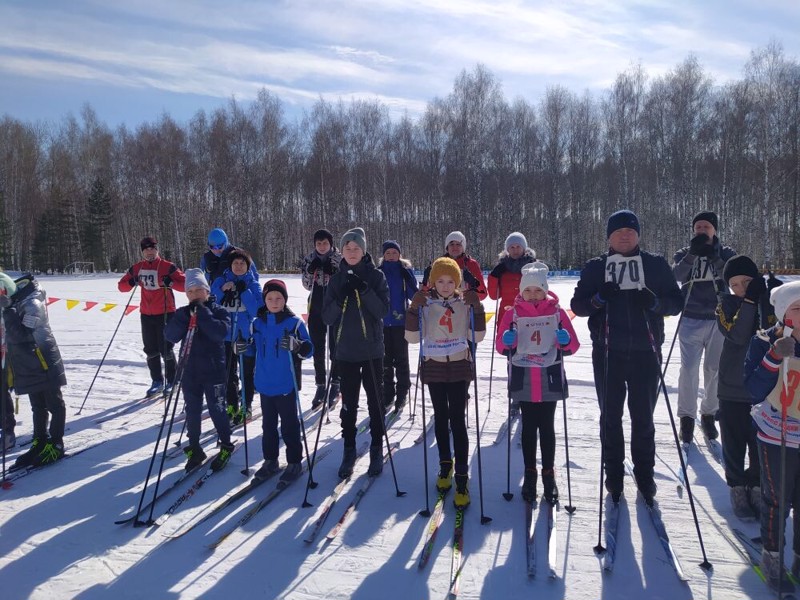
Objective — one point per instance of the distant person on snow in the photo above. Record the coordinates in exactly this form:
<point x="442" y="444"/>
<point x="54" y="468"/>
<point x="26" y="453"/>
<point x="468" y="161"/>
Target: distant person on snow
<point x="157" y="278"/>
<point x="504" y="279"/>
<point x="34" y="366"/>
<point x="203" y="368"/>
<point x="455" y="246"/>
<point x="217" y="258"/>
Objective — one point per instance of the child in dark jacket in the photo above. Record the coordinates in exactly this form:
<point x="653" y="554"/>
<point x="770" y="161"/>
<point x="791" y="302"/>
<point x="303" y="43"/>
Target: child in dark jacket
<point x="280" y="340"/>
<point x="439" y="319"/>
<point x="402" y="287"/>
<point x="536" y="334"/>
<point x="772" y="374"/>
<point x="357" y="299"/>
<point x="203" y="368"/>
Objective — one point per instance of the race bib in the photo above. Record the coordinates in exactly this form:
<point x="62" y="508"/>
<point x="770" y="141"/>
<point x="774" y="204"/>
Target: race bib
<point x="445" y="327"/>
<point x="768" y="420"/>
<point x="149" y="279"/>
<point x="536" y="341"/>
<point x="625" y="271"/>
<point x="787" y="390"/>
<point x="702" y="270"/>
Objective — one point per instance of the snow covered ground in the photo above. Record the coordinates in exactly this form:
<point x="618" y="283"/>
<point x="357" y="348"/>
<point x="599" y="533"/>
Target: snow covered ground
<point x="58" y="538"/>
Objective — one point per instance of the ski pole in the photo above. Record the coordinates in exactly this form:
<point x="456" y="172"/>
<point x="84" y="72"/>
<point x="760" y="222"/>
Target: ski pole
<point x="300" y="418"/>
<point x="243" y="410"/>
<point x="569" y="507"/>
<point x="484" y="518"/>
<point x="786" y="398"/>
<point x="706" y="565"/>
<point x="416" y="389"/>
<point x="494" y="335"/>
<point x="599" y="548"/>
<point x="108" y="347"/>
<point x="3" y="392"/>
<point x="427" y="511"/>
<point x="508" y="495"/>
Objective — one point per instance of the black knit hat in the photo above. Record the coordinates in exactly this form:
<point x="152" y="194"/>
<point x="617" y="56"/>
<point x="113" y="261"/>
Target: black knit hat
<point x="620" y="220"/>
<point x="706" y="215"/>
<point x="238" y="253"/>
<point x="739" y="265"/>
<point x="390" y="244"/>
<point x="275" y="285"/>
<point x="323" y="234"/>
<point x="148" y="242"/>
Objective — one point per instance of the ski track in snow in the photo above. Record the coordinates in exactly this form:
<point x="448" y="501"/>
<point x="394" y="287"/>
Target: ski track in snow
<point x="58" y="538"/>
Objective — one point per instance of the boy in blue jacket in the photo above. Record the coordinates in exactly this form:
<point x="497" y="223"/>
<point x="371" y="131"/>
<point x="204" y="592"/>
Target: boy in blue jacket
<point x="280" y="339"/>
<point x="203" y="370"/>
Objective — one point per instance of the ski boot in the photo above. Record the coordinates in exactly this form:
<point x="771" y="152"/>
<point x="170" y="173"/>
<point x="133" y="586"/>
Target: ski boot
<point x="614" y="487"/>
<point x="687" y="429"/>
<point x="348" y="462"/>
<point x="741" y="503"/>
<point x="267" y="470"/>
<point x="461" y="500"/>
<point x="709" y="427"/>
<point x="550" y="487"/>
<point x="291" y="472"/>
<point x="333" y="395"/>
<point x="319" y="396"/>
<point x="27" y="460"/>
<point x="155" y="388"/>
<point x="375" y="460"/>
<point x="221" y="459"/>
<point x="529" y="486"/>
<point x="647" y="488"/>
<point x="194" y="456"/>
<point x="400" y="402"/>
<point x="50" y="453"/>
<point x="445" y="480"/>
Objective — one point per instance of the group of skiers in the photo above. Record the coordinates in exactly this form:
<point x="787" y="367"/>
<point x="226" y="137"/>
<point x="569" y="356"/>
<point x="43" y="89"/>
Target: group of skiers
<point x="362" y="314"/>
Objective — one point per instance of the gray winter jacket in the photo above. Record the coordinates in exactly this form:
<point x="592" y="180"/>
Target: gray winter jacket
<point x="707" y="275"/>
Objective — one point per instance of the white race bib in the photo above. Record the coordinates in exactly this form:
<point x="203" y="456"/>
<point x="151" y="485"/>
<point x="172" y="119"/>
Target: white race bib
<point x="149" y="279"/>
<point x="626" y="271"/>
<point x="768" y="420"/>
<point x="444" y="329"/>
<point x="787" y="390"/>
<point x="536" y="341"/>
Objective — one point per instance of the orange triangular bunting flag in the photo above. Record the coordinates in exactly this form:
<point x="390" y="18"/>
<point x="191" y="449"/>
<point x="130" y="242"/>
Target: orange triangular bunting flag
<point x="50" y="300"/>
<point x="72" y="304"/>
<point x="90" y="305"/>
<point x="130" y="309"/>
<point x="107" y="307"/>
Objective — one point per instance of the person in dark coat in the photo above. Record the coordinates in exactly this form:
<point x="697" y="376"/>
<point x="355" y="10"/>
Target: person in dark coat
<point x="626" y="293"/>
<point x="218" y="256"/>
<point x="357" y="299"/>
<point x="35" y="366"/>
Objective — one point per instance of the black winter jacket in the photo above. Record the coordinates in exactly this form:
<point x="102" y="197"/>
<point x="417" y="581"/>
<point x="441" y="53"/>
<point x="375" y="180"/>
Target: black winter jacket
<point x="206" y="360"/>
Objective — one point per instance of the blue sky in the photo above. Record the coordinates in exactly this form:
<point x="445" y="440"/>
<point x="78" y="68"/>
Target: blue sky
<point x="132" y="60"/>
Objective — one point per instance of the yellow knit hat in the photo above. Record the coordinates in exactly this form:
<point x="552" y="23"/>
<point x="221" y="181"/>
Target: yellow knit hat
<point x="445" y="266"/>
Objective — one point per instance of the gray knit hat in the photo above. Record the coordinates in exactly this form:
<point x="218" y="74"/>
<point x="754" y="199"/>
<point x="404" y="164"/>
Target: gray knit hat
<point x="356" y="235"/>
<point x="195" y="278"/>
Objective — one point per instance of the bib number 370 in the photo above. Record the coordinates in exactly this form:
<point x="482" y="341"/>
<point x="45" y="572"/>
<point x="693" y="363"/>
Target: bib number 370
<point x="625" y="271"/>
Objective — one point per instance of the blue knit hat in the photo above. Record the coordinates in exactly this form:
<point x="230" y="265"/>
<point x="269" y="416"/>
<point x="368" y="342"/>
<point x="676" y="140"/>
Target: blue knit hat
<point x="620" y="220"/>
<point x="217" y="236"/>
<point x="390" y="244"/>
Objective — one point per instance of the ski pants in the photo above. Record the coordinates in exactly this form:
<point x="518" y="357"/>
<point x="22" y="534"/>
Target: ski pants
<point x="449" y="402"/>
<point x="395" y="363"/>
<point x="770" y="455"/>
<point x="637" y="375"/>
<point x="48" y="405"/>
<point x="232" y="367"/>
<point x="538" y="417"/>
<point x="352" y="375"/>
<point x="695" y="337"/>
<point x="317" y="331"/>
<point x="215" y="399"/>
<point x="738" y="439"/>
<point x="156" y="347"/>
<point x="285" y="408"/>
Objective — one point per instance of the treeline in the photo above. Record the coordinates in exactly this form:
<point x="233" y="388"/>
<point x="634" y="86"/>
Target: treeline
<point x="664" y="146"/>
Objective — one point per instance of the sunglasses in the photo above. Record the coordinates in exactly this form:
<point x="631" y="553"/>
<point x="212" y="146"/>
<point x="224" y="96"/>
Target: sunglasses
<point x="216" y="246"/>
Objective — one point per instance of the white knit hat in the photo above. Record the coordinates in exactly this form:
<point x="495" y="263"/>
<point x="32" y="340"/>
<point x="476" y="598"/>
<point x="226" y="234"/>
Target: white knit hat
<point x="534" y="275"/>
<point x="455" y="236"/>
<point x="195" y="278"/>
<point x="783" y="297"/>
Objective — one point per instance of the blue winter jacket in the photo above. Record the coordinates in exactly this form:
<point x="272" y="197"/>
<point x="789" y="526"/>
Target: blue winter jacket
<point x="402" y="286"/>
<point x="214" y="266"/>
<point x="761" y="365"/>
<point x="206" y="360"/>
<point x="273" y="375"/>
<point x="245" y="305"/>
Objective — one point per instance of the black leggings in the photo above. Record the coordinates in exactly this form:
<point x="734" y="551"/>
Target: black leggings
<point x="449" y="407"/>
<point x="538" y="416"/>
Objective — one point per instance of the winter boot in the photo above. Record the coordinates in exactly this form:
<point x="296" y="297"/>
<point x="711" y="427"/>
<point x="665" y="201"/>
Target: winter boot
<point x="529" y="486"/>
<point x="319" y="396"/>
<point x="550" y="487"/>
<point x="401" y="401"/>
<point x="50" y="453"/>
<point x="741" y="503"/>
<point x="267" y="470"/>
<point x="754" y="497"/>
<point x="445" y="480"/>
<point x="514" y="410"/>
<point x="221" y="459"/>
<point x="776" y="575"/>
<point x="375" y="460"/>
<point x="8" y="439"/>
<point x="291" y="472"/>
<point x="27" y="459"/>
<point x="333" y="395"/>
<point x="687" y="429"/>
<point x="155" y="388"/>
<point x="388" y="402"/>
<point x="709" y="427"/>
<point x="461" y="501"/>
<point x="232" y="411"/>
<point x="348" y="462"/>
<point x="168" y="389"/>
<point x="194" y="456"/>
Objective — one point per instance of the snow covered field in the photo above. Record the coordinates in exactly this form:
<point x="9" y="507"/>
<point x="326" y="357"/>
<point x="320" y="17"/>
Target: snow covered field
<point x="58" y="538"/>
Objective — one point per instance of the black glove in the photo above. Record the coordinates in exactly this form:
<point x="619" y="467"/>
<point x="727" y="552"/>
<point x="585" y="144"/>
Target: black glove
<point x="240" y="346"/>
<point x="772" y="282"/>
<point x="240" y="286"/>
<point x="470" y="279"/>
<point x="498" y="271"/>
<point x="755" y="289"/>
<point x="228" y="298"/>
<point x="314" y="266"/>
<point x="133" y="280"/>
<point x="5" y="301"/>
<point x="699" y="245"/>
<point x="608" y="289"/>
<point x="327" y="267"/>
<point x="291" y="343"/>
<point x="166" y="280"/>
<point x="355" y="283"/>
<point x="645" y="299"/>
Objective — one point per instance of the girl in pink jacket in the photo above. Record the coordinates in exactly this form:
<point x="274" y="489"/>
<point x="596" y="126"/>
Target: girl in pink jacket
<point x="534" y="335"/>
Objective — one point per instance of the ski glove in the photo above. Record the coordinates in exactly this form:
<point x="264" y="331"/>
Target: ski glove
<point x="291" y="343"/>
<point x="509" y="337"/>
<point x="240" y="286"/>
<point x="133" y="280"/>
<point x="470" y="279"/>
<point x="314" y="266"/>
<point x="166" y="280"/>
<point x="563" y="337"/>
<point x="228" y="298"/>
<point x="356" y="284"/>
<point x="419" y="299"/>
<point x="5" y="301"/>
<point x="773" y="282"/>
<point x="646" y="299"/>
<point x="608" y="289"/>
<point x="499" y="270"/>
<point x="327" y="267"/>
<point x="470" y="298"/>
<point x="784" y="347"/>
<point x="755" y="289"/>
<point x="240" y="346"/>
<point x="699" y="245"/>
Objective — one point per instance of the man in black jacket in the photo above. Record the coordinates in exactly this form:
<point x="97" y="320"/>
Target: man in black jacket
<point x="626" y="293"/>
